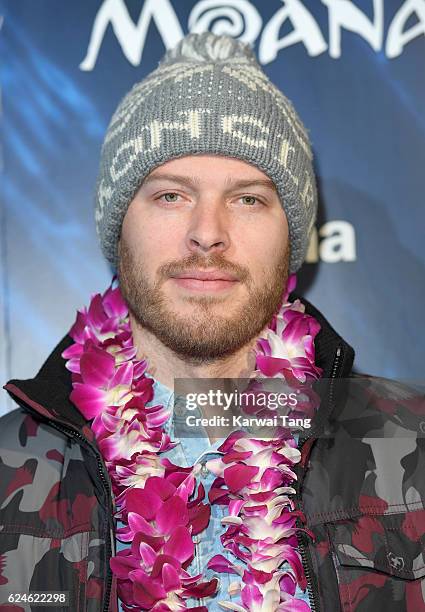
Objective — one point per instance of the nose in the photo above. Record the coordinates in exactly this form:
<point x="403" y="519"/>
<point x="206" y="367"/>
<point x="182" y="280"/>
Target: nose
<point x="208" y="229"/>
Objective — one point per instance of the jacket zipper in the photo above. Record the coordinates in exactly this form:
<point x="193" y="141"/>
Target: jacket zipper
<point x="302" y="538"/>
<point x="75" y="434"/>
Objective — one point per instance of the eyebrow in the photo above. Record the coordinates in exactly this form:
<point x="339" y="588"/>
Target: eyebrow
<point x="192" y="182"/>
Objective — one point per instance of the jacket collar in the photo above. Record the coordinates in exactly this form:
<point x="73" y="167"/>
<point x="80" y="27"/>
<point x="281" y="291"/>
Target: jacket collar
<point x="48" y="392"/>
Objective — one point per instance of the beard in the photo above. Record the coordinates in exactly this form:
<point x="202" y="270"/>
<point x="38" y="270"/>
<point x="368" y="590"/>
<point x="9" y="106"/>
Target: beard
<point x="205" y="336"/>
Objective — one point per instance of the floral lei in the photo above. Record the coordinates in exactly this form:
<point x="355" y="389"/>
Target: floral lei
<point x="161" y="504"/>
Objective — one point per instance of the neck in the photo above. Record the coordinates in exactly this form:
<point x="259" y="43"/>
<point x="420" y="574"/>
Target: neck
<point x="164" y="365"/>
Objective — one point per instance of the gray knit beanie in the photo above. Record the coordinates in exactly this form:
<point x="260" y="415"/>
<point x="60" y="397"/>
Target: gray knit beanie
<point x="208" y="95"/>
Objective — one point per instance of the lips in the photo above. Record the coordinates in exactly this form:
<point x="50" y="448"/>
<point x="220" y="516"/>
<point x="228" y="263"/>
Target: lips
<point x="209" y="281"/>
<point x="207" y="275"/>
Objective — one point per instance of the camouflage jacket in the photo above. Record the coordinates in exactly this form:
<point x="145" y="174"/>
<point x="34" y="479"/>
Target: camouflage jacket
<point x="361" y="487"/>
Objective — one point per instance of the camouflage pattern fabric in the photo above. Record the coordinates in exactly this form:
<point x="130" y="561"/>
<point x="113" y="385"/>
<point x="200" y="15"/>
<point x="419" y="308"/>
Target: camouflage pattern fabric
<point x="53" y="518"/>
<point x="363" y="497"/>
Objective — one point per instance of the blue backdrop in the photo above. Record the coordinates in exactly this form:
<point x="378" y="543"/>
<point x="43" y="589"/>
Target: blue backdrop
<point x="355" y="72"/>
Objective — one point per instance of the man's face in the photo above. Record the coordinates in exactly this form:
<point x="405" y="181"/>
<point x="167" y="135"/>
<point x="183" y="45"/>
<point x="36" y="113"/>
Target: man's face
<point x="204" y="255"/>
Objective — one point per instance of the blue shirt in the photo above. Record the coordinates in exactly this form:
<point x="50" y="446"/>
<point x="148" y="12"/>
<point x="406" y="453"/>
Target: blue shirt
<point x="188" y="452"/>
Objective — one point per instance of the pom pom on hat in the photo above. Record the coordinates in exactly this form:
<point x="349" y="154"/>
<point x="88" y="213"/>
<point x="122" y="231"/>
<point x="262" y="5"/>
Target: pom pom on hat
<point x="208" y="47"/>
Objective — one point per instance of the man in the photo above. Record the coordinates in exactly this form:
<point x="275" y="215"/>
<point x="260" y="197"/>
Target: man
<point x="205" y="202"/>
